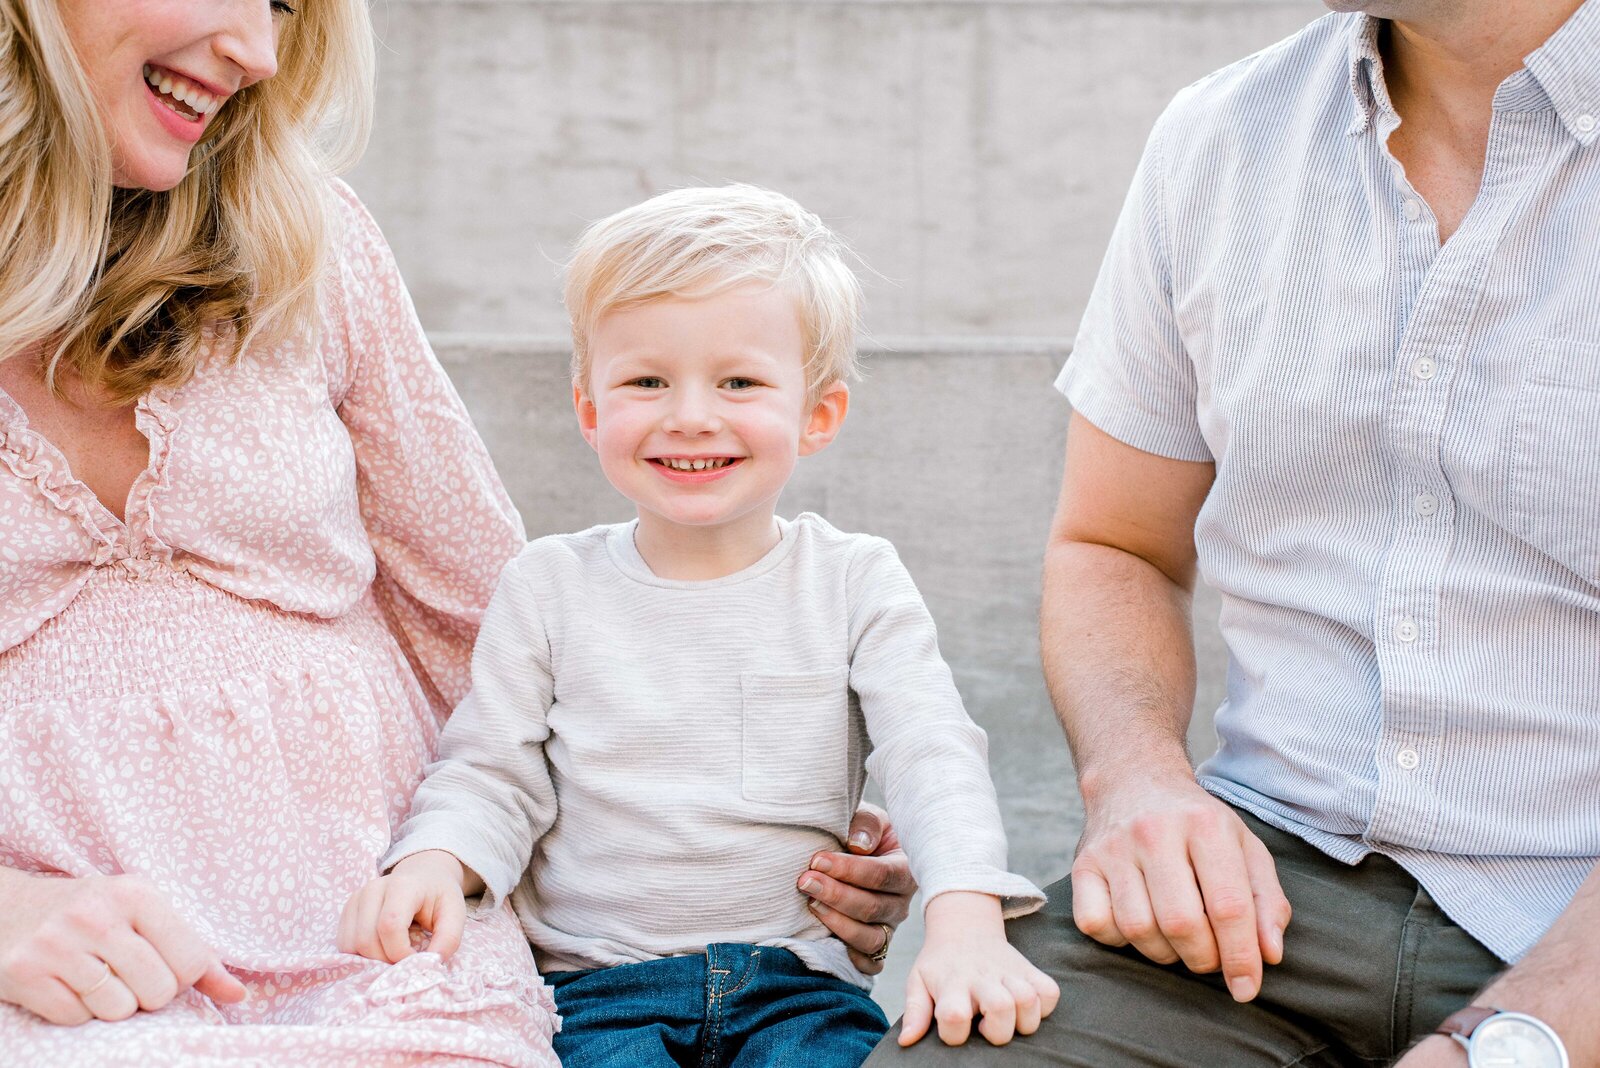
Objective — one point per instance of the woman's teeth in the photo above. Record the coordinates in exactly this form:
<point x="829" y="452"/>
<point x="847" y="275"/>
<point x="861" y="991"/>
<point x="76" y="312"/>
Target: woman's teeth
<point x="182" y="96"/>
<point x="695" y="465"/>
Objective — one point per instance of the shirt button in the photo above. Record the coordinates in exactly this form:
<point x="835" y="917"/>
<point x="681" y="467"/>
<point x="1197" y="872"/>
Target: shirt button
<point x="1412" y="209"/>
<point x="1585" y="123"/>
<point x="1426" y="504"/>
<point x="1406" y="631"/>
<point x="1424" y="368"/>
<point x="1407" y="758"/>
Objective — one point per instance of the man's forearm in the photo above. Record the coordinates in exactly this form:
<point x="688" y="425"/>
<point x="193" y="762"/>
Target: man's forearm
<point x="1118" y="653"/>
<point x="1559" y="979"/>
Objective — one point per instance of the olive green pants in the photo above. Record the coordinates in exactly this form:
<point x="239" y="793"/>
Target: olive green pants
<point x="1370" y="966"/>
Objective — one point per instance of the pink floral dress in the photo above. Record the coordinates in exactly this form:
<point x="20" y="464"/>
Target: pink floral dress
<point x="234" y="691"/>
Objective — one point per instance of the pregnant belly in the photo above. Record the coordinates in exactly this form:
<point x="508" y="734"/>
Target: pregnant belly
<point x="251" y="762"/>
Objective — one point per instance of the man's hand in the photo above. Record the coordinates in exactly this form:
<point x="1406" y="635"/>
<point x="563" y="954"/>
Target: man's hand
<point x="1175" y="872"/>
<point x="852" y="893"/>
<point x="103" y="947"/>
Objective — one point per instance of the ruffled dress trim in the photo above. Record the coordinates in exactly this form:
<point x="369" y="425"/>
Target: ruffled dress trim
<point x="33" y="459"/>
<point x="157" y="419"/>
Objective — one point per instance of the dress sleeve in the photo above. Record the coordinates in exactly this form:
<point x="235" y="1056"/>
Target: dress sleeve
<point x="1129" y="373"/>
<point x="489" y="797"/>
<point x="929" y="757"/>
<point x="439" y="520"/>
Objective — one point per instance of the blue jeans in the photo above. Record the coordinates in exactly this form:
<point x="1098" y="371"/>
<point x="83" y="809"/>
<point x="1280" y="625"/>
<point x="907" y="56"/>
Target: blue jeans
<point x="739" y="1005"/>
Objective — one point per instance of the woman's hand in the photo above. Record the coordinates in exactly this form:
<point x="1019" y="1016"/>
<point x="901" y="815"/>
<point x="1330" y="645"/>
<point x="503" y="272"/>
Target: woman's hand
<point x="966" y="969"/>
<point x="426" y="888"/>
<point x="102" y="946"/>
<point x="860" y="893"/>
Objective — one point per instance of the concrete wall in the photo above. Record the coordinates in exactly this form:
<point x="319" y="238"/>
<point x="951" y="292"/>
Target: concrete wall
<point x="974" y="151"/>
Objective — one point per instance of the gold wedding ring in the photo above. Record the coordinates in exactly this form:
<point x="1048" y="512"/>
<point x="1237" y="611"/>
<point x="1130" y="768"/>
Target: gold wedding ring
<point x="106" y="978"/>
<point x="883" y="951"/>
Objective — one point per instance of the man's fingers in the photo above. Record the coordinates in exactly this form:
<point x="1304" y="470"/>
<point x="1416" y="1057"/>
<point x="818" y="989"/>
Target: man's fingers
<point x="447" y="920"/>
<point x="1273" y="911"/>
<point x="1219" y="866"/>
<point x="865" y="938"/>
<point x="919" y="1011"/>
<point x="887" y="873"/>
<point x="834" y="888"/>
<point x="1134" y="915"/>
<point x="1091" y="907"/>
<point x="867" y="828"/>
<point x="864" y="964"/>
<point x="1180" y="912"/>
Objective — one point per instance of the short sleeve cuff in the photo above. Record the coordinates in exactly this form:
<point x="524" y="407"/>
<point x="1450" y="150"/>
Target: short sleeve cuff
<point x="1122" y="415"/>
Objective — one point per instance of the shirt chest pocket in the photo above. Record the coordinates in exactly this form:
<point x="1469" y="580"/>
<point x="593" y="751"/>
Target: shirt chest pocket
<point x="796" y="743"/>
<point x="1553" y="486"/>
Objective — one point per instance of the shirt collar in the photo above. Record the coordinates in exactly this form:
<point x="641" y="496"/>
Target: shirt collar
<point x="1567" y="68"/>
<point x="1365" y="62"/>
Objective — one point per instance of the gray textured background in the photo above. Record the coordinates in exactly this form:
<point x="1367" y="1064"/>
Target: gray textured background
<point x="975" y="152"/>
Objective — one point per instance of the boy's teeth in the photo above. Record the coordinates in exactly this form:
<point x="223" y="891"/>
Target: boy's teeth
<point x="695" y="465"/>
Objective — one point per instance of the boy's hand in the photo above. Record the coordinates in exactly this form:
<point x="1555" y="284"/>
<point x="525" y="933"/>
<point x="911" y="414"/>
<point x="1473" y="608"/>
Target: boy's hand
<point x="966" y="968"/>
<point x="425" y="887"/>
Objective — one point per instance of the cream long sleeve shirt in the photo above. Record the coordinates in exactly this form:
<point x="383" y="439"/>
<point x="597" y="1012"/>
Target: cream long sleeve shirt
<point x="645" y="766"/>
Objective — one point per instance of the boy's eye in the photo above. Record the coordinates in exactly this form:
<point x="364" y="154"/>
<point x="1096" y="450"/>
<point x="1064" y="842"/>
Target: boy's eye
<point x="649" y="382"/>
<point x="741" y="383"/>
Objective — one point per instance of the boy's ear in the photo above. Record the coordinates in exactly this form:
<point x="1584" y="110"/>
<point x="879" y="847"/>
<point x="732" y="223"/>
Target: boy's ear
<point x="827" y="416"/>
<point x="588" y="418"/>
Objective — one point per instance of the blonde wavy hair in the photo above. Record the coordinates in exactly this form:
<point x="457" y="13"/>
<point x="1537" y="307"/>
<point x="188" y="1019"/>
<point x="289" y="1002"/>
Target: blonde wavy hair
<point x="123" y="285"/>
<point x="699" y="241"/>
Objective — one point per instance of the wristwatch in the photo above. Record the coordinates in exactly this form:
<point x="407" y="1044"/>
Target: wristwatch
<point x="1495" y="1039"/>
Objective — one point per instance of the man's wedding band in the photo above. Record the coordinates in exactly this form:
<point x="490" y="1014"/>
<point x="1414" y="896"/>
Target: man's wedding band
<point x="883" y="951"/>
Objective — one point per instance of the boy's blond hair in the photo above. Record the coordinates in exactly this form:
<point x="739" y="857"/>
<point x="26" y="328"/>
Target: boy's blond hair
<point x="696" y="242"/>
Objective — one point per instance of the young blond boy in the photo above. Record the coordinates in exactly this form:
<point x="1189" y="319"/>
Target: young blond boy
<point x="670" y="716"/>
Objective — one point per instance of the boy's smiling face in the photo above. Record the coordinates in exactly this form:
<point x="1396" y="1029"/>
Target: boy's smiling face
<point x="699" y="410"/>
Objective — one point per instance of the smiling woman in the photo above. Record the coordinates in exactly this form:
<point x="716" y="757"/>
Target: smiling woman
<point x="248" y="534"/>
<point x="211" y="214"/>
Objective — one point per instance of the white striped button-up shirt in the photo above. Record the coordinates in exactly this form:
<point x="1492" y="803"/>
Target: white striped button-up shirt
<point x="1405" y="523"/>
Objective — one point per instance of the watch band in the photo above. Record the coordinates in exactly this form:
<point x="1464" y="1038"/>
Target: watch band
<point x="1462" y="1023"/>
